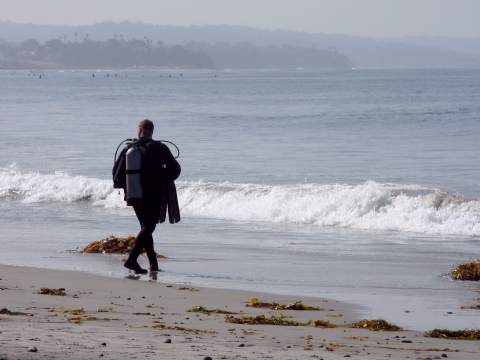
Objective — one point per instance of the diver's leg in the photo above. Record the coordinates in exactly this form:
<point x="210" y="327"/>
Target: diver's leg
<point x="139" y="240"/>
<point x="151" y="254"/>
<point x="149" y="225"/>
<point x="131" y="262"/>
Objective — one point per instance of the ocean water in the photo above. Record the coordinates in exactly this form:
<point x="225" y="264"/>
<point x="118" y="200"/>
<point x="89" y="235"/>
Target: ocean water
<point x="360" y="186"/>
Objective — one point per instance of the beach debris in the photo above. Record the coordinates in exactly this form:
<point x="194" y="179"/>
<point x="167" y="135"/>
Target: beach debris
<point x="5" y="311"/>
<point x="470" y="307"/>
<point x="308" y="346"/>
<point x="162" y="326"/>
<point x="325" y="324"/>
<point x="335" y="315"/>
<point x="81" y="318"/>
<point x="77" y="316"/>
<point x="74" y="312"/>
<point x="188" y="289"/>
<point x="281" y="320"/>
<point x="168" y="341"/>
<point x="32" y="349"/>
<point x="110" y="245"/>
<point x="375" y="325"/>
<point x="113" y="245"/>
<point x="298" y="305"/>
<point x="202" y="309"/>
<point x="153" y="306"/>
<point x="74" y="315"/>
<point x="467" y="271"/>
<point x="359" y="338"/>
<point x="466" y="334"/>
<point x="52" y="292"/>
<point x="105" y="309"/>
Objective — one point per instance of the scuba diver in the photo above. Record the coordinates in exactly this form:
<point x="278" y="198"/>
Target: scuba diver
<point x="146" y="170"/>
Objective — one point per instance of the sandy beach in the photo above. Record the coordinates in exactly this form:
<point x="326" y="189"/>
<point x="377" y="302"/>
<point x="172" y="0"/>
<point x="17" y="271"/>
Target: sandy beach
<point x="101" y="317"/>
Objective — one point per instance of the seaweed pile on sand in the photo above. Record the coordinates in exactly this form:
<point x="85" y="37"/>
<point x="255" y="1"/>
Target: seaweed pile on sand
<point x="112" y="245"/>
<point x="375" y="325"/>
<point x="468" y="271"/>
<point x="204" y="310"/>
<point x="281" y="320"/>
<point x="467" y="334"/>
<point x="263" y="320"/>
<point x="78" y="316"/>
<point x="298" y="305"/>
<point x="5" y="311"/>
<point x="52" y="292"/>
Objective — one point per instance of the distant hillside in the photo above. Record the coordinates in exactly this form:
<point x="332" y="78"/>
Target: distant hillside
<point x="121" y="53"/>
<point x="363" y="52"/>
<point x="248" y="56"/>
<point x="90" y="54"/>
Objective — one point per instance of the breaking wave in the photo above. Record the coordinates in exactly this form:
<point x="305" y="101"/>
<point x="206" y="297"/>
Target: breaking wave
<point x="369" y="206"/>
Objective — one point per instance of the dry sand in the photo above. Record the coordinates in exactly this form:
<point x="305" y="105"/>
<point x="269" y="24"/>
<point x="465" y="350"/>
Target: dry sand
<point x="127" y="319"/>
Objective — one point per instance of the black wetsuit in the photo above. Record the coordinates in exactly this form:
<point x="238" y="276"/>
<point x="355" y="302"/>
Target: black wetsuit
<point x="159" y="169"/>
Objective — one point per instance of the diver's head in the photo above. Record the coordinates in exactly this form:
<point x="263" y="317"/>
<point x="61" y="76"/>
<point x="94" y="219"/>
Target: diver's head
<point x="145" y="129"/>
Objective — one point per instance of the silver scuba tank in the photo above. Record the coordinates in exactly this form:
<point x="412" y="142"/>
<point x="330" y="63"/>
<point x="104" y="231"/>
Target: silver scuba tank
<point x="134" y="182"/>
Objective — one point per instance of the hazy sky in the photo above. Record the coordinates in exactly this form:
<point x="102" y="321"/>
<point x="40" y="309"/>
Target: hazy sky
<point x="381" y="18"/>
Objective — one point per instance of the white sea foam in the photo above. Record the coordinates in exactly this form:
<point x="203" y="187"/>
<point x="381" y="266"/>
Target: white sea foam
<point x="370" y="205"/>
<point x="33" y="187"/>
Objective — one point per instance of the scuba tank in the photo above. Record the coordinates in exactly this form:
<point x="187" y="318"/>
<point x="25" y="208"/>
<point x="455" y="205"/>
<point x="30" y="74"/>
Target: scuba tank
<point x="133" y="166"/>
<point x="133" y="161"/>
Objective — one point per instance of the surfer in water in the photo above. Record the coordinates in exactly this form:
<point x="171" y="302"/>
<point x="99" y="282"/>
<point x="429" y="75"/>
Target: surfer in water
<point x="158" y="170"/>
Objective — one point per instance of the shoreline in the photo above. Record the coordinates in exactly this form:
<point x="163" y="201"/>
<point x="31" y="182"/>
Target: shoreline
<point x="122" y="318"/>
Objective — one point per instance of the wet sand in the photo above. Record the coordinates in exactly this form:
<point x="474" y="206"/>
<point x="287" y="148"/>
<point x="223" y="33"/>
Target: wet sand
<point x="107" y="318"/>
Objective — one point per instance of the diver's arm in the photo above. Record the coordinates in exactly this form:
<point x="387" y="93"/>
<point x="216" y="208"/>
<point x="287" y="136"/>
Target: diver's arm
<point x="173" y="167"/>
<point x="119" y="172"/>
<point x="170" y="164"/>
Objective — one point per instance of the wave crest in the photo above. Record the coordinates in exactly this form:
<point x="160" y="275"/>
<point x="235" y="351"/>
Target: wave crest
<point x="369" y="206"/>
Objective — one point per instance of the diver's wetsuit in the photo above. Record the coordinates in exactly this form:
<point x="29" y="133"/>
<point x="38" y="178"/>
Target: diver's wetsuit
<point x="158" y="167"/>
